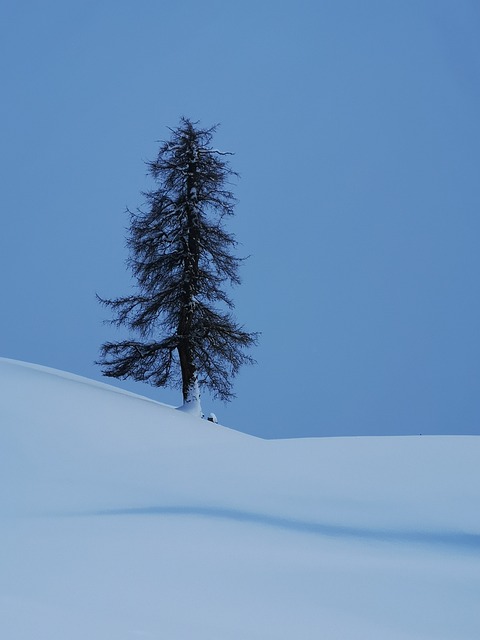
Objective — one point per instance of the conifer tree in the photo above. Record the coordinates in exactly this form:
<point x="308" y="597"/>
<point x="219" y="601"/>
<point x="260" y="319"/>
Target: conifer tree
<point x="182" y="258"/>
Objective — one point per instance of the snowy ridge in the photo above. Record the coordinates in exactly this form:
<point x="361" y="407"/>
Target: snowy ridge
<point x="72" y="376"/>
<point x="212" y="523"/>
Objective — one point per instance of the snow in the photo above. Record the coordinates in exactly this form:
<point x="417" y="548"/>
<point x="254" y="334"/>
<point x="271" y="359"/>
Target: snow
<point x="192" y="404"/>
<point x="124" y="518"/>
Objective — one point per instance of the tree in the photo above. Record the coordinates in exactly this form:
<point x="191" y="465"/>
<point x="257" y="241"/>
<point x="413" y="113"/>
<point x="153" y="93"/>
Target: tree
<point x="181" y="256"/>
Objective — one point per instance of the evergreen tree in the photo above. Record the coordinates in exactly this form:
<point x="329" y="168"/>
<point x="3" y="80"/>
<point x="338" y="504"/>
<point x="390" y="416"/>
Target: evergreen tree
<point x="181" y="256"/>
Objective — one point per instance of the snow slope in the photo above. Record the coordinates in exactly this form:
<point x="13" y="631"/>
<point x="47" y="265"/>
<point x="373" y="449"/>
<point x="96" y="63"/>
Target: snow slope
<point x="122" y="518"/>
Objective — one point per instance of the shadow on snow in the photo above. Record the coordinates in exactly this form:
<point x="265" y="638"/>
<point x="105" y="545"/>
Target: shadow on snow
<point x="451" y="538"/>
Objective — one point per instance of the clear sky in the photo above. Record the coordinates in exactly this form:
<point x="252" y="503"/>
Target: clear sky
<point x="356" y="131"/>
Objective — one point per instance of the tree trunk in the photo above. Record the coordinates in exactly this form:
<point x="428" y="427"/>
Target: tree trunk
<point x="190" y="389"/>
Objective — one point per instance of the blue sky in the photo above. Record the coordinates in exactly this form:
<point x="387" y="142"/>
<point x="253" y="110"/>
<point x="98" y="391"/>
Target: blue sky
<point x="356" y="133"/>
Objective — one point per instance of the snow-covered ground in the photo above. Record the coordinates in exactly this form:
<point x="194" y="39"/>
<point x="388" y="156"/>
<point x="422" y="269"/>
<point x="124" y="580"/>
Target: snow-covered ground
<point x="124" y="519"/>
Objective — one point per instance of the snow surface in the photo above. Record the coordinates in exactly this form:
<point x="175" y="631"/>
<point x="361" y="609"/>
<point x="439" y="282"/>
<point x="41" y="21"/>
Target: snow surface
<point x="122" y="518"/>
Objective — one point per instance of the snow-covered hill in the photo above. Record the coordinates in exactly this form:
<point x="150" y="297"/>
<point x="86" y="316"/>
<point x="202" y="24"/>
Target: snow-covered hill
<point x="121" y="518"/>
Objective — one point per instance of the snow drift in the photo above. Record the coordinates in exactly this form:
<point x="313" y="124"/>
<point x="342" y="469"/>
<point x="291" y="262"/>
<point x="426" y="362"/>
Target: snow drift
<point x="123" y="518"/>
